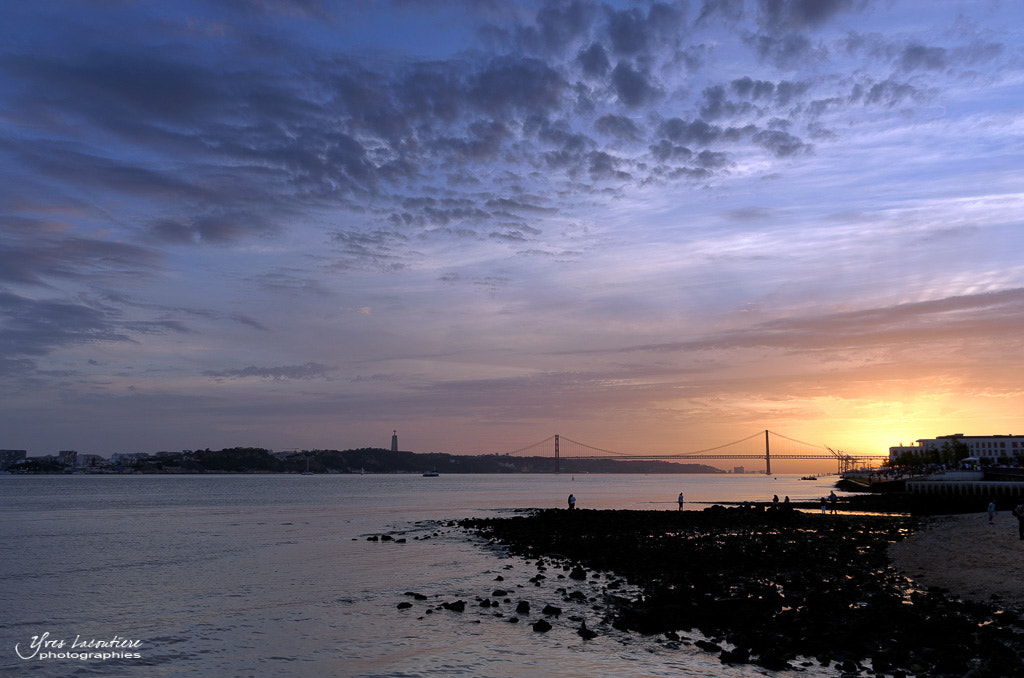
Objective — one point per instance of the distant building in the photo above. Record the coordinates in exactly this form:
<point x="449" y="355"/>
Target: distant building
<point x="980" y="447"/>
<point x="394" y="441"/>
<point x="69" y="458"/>
<point x="738" y="469"/>
<point x="90" y="460"/>
<point x="128" y="458"/>
<point x="9" y="458"/>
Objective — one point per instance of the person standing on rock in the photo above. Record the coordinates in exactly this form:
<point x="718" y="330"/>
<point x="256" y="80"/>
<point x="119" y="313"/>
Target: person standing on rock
<point x="572" y="502"/>
<point x="832" y="499"/>
<point x="823" y="506"/>
<point x="680" y="501"/>
<point x="1018" y="511"/>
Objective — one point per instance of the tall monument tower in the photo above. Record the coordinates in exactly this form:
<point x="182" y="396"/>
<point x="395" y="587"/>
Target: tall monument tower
<point x="394" y="441"/>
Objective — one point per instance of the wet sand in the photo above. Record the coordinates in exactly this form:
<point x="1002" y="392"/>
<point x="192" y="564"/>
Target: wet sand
<point x="966" y="556"/>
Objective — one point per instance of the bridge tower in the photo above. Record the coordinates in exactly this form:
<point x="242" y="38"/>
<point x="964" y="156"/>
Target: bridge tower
<point x="767" y="455"/>
<point x="557" y="469"/>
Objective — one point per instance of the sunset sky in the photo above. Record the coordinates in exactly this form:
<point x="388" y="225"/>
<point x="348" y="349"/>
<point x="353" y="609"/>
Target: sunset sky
<point x="646" y="227"/>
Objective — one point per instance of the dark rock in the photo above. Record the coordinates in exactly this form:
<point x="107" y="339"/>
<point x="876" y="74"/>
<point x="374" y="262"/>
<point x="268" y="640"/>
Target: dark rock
<point x="457" y="606"/>
<point x="499" y="593"/>
<point x="738" y="656"/>
<point x="774" y="585"/>
<point x="708" y="646"/>
<point x="578" y="573"/>
<point x="523" y="607"/>
<point x="585" y="633"/>
<point x="404" y="606"/>
<point x="541" y="626"/>
<point x="773" y="661"/>
<point x="551" y="611"/>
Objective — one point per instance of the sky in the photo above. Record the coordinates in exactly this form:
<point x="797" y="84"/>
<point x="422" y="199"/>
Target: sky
<point x="646" y="227"/>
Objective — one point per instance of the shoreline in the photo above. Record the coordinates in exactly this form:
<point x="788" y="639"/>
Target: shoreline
<point x="778" y="589"/>
<point x="967" y="557"/>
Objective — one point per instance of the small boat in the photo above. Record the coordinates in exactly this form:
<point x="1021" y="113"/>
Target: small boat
<point x="809" y="478"/>
<point x="430" y="474"/>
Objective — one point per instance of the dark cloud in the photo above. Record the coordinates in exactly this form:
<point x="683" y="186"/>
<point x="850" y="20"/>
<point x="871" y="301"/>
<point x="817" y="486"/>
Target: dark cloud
<point x="631" y="32"/>
<point x="602" y="165"/>
<point x="594" y="60"/>
<point x="692" y="132"/>
<point x="628" y="31"/>
<point x="35" y="260"/>
<point x="728" y="10"/>
<point x="617" y="126"/>
<point x="787" y="51"/>
<point x="747" y="87"/>
<point x="987" y="315"/>
<point x="511" y="85"/>
<point x="710" y="160"/>
<point x="378" y="249"/>
<point x="560" y="24"/>
<point x="717" y="105"/>
<point x="307" y="371"/>
<point x="211" y="228"/>
<point x="35" y="327"/>
<point x="633" y="87"/>
<point x="889" y="93"/>
<point x="113" y="88"/>
<point x="916" y="57"/>
<point x="799" y="14"/>
<point x="666" y="151"/>
<point x="780" y="143"/>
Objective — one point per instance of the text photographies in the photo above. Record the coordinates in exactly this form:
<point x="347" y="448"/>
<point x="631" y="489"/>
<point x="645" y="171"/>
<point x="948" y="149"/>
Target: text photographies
<point x="45" y="647"/>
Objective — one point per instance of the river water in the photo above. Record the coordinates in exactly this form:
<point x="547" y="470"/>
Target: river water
<point x="275" y="575"/>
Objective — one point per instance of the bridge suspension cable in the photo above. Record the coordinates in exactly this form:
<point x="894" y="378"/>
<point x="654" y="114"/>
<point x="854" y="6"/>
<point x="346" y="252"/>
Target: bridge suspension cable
<point x="546" y="441"/>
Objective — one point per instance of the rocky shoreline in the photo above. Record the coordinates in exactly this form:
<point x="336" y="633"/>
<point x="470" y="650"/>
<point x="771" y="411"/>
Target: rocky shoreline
<point x="774" y="588"/>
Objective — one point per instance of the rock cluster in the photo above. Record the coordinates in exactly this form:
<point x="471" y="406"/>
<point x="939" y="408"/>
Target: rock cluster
<point x="772" y="588"/>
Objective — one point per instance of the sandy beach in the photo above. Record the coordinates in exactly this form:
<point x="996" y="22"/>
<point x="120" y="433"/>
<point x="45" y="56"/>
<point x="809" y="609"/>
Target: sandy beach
<point x="967" y="556"/>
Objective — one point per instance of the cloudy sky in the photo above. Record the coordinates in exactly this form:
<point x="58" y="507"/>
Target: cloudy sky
<point x="647" y="227"/>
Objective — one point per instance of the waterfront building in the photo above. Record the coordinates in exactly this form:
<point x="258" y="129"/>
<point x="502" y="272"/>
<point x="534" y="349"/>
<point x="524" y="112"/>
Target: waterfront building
<point x="69" y="458"/>
<point x="992" y="447"/>
<point x="90" y="460"/>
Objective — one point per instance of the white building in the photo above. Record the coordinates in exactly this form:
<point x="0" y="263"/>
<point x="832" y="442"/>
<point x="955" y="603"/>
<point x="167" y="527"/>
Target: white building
<point x="981" y="447"/>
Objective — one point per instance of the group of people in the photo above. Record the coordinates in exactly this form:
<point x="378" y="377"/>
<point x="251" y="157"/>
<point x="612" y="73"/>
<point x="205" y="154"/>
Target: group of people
<point x="832" y="501"/>
<point x="1018" y="510"/>
<point x="572" y="501"/>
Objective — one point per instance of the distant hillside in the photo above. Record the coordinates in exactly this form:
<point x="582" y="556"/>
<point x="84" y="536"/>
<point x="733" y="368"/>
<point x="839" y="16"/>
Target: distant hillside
<point x="376" y="460"/>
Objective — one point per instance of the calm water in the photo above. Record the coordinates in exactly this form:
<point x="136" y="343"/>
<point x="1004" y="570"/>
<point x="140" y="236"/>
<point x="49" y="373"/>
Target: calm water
<point x="273" y="575"/>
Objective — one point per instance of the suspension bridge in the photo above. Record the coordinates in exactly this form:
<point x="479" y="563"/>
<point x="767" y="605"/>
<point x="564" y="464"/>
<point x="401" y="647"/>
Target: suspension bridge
<point x="763" y="445"/>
